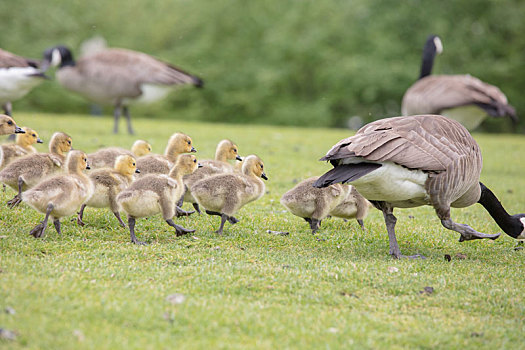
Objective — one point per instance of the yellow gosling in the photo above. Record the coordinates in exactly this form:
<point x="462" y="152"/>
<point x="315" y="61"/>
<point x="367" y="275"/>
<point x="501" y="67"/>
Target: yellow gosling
<point x="224" y="194"/>
<point x="8" y="126"/>
<point x="108" y="184"/>
<point x="157" y="193"/>
<point x="315" y="204"/>
<point x="178" y="144"/>
<point x="23" y="145"/>
<point x="105" y="157"/>
<point x="27" y="171"/>
<point x="60" y="195"/>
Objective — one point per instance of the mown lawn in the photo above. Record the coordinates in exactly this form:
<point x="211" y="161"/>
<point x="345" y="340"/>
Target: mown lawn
<point x="92" y="288"/>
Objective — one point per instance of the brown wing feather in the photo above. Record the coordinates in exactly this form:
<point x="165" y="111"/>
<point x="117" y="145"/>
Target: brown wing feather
<point x="8" y="60"/>
<point x="426" y="142"/>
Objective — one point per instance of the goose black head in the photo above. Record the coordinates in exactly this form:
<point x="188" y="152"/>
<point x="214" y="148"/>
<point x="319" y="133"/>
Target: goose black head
<point x="57" y="56"/>
<point x="433" y="47"/>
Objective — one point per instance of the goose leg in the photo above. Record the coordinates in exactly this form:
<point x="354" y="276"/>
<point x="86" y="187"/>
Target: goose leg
<point x="128" y="120"/>
<point x="131" y="224"/>
<point x="179" y="230"/>
<point x="467" y="232"/>
<point x="39" y="230"/>
<point x="18" y="198"/>
<point x="390" y="221"/>
<point x="8" y="108"/>
<point x="80" y="215"/>
<point x="117" y="215"/>
<point x="224" y="217"/>
<point x="116" y="117"/>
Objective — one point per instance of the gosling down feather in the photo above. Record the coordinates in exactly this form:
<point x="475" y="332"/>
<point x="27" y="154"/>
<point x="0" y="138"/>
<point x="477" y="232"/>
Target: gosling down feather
<point x="460" y="97"/>
<point x="106" y="157"/>
<point x="8" y="126"/>
<point x="418" y="160"/>
<point x="117" y="77"/>
<point x="22" y="146"/>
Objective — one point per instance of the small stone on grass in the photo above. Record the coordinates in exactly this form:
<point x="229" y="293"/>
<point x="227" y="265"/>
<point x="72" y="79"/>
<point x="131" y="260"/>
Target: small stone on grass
<point x="176" y="298"/>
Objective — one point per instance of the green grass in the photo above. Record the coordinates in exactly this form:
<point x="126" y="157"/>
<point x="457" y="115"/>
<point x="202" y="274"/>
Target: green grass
<point x="92" y="288"/>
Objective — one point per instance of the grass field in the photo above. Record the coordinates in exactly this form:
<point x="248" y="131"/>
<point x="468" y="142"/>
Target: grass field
<point x="92" y="288"/>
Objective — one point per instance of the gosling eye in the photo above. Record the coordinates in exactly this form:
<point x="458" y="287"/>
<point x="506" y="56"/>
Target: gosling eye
<point x="195" y="161"/>
<point x="10" y="122"/>
<point x="235" y="150"/>
<point x="69" y="142"/>
<point x="189" y="142"/>
<point x="133" y="164"/>
<point x="85" y="160"/>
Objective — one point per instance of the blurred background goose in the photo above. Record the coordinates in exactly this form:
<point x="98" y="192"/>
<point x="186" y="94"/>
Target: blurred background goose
<point x="18" y="75"/>
<point x="116" y="77"/>
<point x="460" y="97"/>
<point x="418" y="160"/>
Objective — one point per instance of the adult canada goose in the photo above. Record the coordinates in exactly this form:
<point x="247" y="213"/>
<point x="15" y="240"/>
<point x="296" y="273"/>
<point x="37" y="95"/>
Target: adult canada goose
<point x="461" y="97"/>
<point x="8" y="126"/>
<point x="116" y="77"/>
<point x="157" y="193"/>
<point x="315" y="204"/>
<point x="105" y="157"/>
<point x="60" y="195"/>
<point x="18" y="75"/>
<point x="23" y="145"/>
<point x="108" y="184"/>
<point x="226" y="150"/>
<point x="27" y="171"/>
<point x="224" y="194"/>
<point x="418" y="160"/>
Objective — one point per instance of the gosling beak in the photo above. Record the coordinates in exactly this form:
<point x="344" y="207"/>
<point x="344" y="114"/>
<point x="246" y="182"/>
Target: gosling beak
<point x="238" y="158"/>
<point x="38" y="140"/>
<point x="88" y="167"/>
<point x="193" y="150"/>
<point x="199" y="165"/>
<point x="264" y="176"/>
<point x="137" y="171"/>
<point x="19" y="130"/>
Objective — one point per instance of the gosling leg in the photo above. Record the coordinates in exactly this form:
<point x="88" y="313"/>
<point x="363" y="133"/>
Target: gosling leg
<point x="80" y="215"/>
<point x="39" y="230"/>
<point x="56" y="222"/>
<point x="224" y="217"/>
<point x="361" y="223"/>
<point x="231" y="219"/>
<point x="181" y="212"/>
<point x="117" y="215"/>
<point x="18" y="198"/>
<point x="179" y="230"/>
<point x="131" y="224"/>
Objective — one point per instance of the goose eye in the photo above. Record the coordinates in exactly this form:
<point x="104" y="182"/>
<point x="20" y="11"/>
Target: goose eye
<point x="133" y="164"/>
<point x="10" y="122"/>
<point x="189" y="142"/>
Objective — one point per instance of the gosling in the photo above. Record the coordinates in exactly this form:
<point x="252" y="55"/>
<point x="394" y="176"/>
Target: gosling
<point x="157" y="193"/>
<point x="224" y="194"/>
<point x="178" y="144"/>
<point x="60" y="195"/>
<point x="315" y="204"/>
<point x="226" y="150"/>
<point x="27" y="171"/>
<point x="108" y="184"/>
<point x="8" y="126"/>
<point x="105" y="157"/>
<point x="22" y="146"/>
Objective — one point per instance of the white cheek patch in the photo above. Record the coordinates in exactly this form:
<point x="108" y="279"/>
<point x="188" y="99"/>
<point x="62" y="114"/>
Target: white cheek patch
<point x="438" y="44"/>
<point x="522" y="234"/>
<point x="56" y="58"/>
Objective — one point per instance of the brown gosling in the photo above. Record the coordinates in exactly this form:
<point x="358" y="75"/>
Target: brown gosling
<point x="315" y="204"/>
<point x="23" y="145"/>
<point x="60" y="195"/>
<point x="224" y="194"/>
<point x="8" y="126"/>
<point x="108" y="184"/>
<point x="178" y="144"/>
<point x="157" y="193"/>
<point x="226" y="150"/>
<point x="105" y="157"/>
<point x="27" y="171"/>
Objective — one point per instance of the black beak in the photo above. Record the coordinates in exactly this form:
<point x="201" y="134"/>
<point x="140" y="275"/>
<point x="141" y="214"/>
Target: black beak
<point x="199" y="165"/>
<point x="264" y="176"/>
<point x="193" y="150"/>
<point x="238" y="158"/>
<point x="19" y="130"/>
<point x="137" y="171"/>
<point x="88" y="167"/>
<point x="38" y="140"/>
